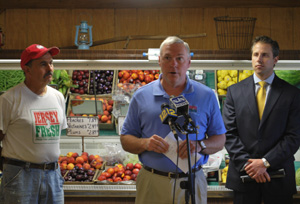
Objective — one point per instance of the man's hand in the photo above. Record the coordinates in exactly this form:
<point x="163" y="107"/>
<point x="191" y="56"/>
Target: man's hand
<point x="157" y="144"/>
<point x="183" y="153"/>
<point x="257" y="170"/>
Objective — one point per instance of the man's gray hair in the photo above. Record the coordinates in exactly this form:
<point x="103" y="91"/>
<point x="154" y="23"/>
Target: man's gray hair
<point x="172" y="40"/>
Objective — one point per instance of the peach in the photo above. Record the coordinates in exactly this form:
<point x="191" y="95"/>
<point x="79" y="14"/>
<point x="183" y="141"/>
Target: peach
<point x="110" y="102"/>
<point x="70" y="166"/>
<point x="141" y="77"/>
<point x="86" y="166"/>
<point x="70" y="160"/>
<point x="79" y="165"/>
<point x="85" y="153"/>
<point x="80" y="160"/>
<point x="85" y="157"/>
<point x="109" y="108"/>
<point x="134" y="76"/>
<point x="98" y="165"/>
<point x="105" y="113"/>
<point x="75" y="154"/>
<point x="104" y="118"/>
<point x="125" y="75"/>
<point x="69" y="154"/>
<point x="91" y="157"/>
<point x="63" y="166"/>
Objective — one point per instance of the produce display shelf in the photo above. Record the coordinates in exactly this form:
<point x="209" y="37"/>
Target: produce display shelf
<point x="128" y="191"/>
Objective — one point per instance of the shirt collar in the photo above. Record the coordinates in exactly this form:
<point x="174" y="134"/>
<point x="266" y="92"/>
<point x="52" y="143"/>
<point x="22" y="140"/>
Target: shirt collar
<point x="269" y="80"/>
<point x="158" y="89"/>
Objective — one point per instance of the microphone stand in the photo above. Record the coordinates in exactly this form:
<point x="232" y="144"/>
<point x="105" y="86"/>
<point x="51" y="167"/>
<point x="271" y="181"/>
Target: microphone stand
<point x="189" y="185"/>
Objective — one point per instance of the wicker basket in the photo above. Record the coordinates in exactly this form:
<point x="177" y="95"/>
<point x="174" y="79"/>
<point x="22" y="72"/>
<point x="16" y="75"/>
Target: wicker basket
<point x="234" y="33"/>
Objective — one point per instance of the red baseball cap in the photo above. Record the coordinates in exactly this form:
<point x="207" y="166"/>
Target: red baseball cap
<point x="36" y="51"/>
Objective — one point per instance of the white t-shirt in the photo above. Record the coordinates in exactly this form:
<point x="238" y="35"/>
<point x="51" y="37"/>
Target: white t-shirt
<point x="32" y="124"/>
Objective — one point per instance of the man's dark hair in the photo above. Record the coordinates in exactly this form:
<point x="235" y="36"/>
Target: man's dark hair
<point x="267" y="40"/>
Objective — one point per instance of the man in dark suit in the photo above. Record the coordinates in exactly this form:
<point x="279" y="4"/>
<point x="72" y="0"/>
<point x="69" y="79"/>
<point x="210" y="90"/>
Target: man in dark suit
<point x="259" y="147"/>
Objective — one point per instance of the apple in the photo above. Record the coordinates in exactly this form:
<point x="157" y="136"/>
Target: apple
<point x="126" y="75"/>
<point x="110" y="170"/>
<point x="102" y="178"/>
<point x="128" y="172"/>
<point x="134" y="76"/>
<point x="110" y="180"/>
<point x="129" y="166"/>
<point x="133" y="176"/>
<point x="135" y="171"/>
<point x="137" y="166"/>
<point x="107" y="175"/>
<point x="117" y="179"/>
<point x="141" y="77"/>
<point x="147" y="79"/>
<point x="120" y="74"/>
<point x="151" y="77"/>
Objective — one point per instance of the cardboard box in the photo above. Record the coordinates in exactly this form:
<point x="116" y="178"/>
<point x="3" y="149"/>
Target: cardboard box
<point x="86" y="107"/>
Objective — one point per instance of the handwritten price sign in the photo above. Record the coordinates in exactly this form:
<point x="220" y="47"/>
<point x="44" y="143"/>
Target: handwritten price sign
<point x="82" y="126"/>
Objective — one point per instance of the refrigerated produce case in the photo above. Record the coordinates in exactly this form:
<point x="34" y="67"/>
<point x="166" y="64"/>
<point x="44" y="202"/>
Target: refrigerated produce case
<point x="207" y="60"/>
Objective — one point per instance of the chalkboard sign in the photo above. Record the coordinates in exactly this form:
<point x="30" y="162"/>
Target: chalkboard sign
<point x="82" y="126"/>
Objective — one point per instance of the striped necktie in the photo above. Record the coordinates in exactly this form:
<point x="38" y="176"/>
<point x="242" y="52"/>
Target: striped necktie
<point x="261" y="98"/>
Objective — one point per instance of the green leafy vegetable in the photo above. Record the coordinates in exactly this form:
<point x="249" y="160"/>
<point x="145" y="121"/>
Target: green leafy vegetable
<point x="10" y="78"/>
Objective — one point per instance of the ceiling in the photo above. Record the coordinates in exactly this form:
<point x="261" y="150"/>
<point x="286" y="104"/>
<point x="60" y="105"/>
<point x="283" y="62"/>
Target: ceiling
<point x="102" y="4"/>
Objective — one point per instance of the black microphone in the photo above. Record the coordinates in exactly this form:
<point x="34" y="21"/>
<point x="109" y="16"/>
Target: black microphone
<point x="181" y="106"/>
<point x="168" y="116"/>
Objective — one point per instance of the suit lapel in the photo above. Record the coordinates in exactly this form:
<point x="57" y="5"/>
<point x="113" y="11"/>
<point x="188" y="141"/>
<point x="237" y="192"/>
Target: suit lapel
<point x="276" y="89"/>
<point x="249" y="95"/>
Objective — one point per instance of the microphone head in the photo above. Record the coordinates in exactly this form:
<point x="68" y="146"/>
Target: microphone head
<point x="164" y="105"/>
<point x="180" y="104"/>
<point x="167" y="114"/>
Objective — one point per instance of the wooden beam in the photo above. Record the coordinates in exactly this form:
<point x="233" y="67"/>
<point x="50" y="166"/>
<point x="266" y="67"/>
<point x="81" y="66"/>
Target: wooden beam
<point x="137" y="54"/>
<point x="102" y="4"/>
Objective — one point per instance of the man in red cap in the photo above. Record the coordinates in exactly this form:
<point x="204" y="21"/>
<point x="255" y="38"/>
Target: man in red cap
<point x="32" y="115"/>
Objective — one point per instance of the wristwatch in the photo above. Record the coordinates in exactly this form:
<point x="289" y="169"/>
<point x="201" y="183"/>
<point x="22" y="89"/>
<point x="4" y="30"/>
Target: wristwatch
<point x="202" y="145"/>
<point x="266" y="163"/>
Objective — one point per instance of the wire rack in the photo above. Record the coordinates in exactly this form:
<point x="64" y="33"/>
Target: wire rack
<point x="234" y="33"/>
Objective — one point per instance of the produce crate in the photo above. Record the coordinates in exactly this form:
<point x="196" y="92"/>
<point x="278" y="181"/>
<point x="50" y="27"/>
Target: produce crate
<point x="226" y="78"/>
<point x="86" y="84"/>
<point x="81" y="99"/>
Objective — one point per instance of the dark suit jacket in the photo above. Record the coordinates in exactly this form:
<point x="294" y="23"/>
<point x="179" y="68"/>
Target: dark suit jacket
<point x="276" y="137"/>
